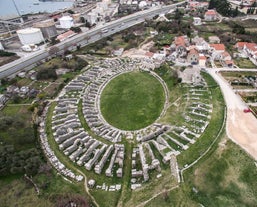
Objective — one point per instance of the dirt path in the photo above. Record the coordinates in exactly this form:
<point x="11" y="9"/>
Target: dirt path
<point x="86" y="188"/>
<point x="241" y="127"/>
<point x="157" y="194"/>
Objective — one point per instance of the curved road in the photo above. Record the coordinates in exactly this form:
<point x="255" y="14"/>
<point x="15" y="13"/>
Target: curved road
<point x="241" y="127"/>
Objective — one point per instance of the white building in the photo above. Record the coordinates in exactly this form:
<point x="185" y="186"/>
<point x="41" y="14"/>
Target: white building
<point x="197" y="21"/>
<point x="30" y="36"/>
<point x="91" y="18"/>
<point x="66" y="22"/>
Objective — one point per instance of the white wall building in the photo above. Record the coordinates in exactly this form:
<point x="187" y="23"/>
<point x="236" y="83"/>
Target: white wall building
<point x="66" y="22"/>
<point x="91" y="18"/>
<point x="30" y="36"/>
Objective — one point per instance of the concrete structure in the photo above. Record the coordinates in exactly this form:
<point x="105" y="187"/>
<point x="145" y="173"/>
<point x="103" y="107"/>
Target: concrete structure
<point x="197" y="21"/>
<point x="30" y="36"/>
<point x="1" y="46"/>
<point x="66" y="22"/>
<point x="91" y="18"/>
<point x="47" y="28"/>
<point x="76" y="17"/>
<point x="91" y="183"/>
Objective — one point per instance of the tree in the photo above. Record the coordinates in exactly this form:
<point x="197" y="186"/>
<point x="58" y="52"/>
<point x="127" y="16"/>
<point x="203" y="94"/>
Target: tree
<point x="70" y="11"/>
<point x="212" y="4"/>
<point x="178" y="14"/>
<point x="76" y="29"/>
<point x="82" y="19"/>
<point x="54" y="41"/>
<point x="87" y="24"/>
<point x="53" y="50"/>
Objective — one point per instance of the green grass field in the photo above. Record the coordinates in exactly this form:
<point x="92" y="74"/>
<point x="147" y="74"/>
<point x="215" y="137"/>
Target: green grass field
<point x="132" y="101"/>
<point x="225" y="177"/>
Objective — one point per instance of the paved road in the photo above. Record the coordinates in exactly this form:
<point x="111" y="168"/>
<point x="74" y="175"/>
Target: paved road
<point x="86" y="38"/>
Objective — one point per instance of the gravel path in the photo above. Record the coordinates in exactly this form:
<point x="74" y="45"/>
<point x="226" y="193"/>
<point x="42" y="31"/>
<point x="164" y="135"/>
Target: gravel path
<point x="241" y="127"/>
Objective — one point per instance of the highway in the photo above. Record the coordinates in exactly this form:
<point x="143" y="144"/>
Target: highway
<point x="86" y="38"/>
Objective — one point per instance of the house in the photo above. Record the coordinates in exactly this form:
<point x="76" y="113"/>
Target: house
<point x="200" y="44"/>
<point x="226" y="59"/>
<point x="193" y="5"/>
<point x="226" y="56"/>
<point x="197" y="21"/>
<point x="251" y="49"/>
<point x="210" y="15"/>
<point x="181" y="44"/>
<point x="217" y="50"/>
<point x="240" y="45"/>
<point x="202" y="60"/>
<point x="218" y="47"/>
<point x="229" y="63"/>
<point x="193" y="57"/>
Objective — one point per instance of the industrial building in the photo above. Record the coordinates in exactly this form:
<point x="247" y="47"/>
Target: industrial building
<point x="47" y="28"/>
<point x="30" y="36"/>
<point x="66" y="22"/>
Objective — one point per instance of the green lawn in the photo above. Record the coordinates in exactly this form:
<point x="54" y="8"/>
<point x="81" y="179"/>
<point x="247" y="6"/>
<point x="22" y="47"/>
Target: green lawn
<point x="132" y="101"/>
<point x="244" y="63"/>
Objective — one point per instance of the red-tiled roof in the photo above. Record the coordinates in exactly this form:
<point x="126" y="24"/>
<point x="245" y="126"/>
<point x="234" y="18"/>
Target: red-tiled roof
<point x="211" y="13"/>
<point x="218" y="46"/>
<point x="65" y="35"/>
<point x="193" y="3"/>
<point x="251" y="46"/>
<point x="240" y="44"/>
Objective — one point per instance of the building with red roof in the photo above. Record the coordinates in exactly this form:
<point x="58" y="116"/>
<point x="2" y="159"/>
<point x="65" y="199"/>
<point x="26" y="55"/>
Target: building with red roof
<point x="218" y="47"/>
<point x="65" y="35"/>
<point x="181" y="44"/>
<point x="202" y="60"/>
<point x="240" y="45"/>
<point x="211" y="15"/>
<point x="193" y="56"/>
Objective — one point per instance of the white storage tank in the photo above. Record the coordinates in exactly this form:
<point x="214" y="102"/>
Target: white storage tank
<point x="47" y="28"/>
<point x="30" y="36"/>
<point x="66" y="22"/>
